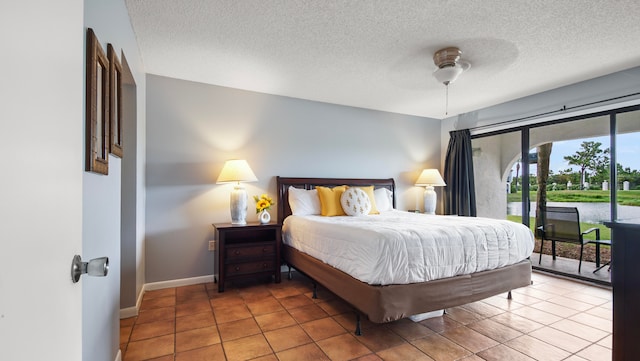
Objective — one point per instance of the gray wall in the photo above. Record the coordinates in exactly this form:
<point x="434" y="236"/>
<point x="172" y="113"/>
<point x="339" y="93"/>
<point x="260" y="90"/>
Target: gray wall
<point x="192" y="128"/>
<point x="101" y="218"/>
<point x="131" y="279"/>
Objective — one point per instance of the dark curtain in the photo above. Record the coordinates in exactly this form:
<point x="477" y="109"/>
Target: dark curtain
<point x="460" y="194"/>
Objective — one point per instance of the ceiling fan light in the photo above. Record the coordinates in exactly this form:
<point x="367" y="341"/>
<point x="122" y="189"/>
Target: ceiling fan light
<point x="448" y="75"/>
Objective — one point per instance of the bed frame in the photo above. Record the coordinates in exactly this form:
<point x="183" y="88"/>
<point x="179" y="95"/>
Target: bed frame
<point x="392" y="302"/>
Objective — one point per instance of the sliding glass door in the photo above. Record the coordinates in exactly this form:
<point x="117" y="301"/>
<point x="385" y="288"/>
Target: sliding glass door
<point x="571" y="167"/>
<point x="590" y="162"/>
<point x="569" y="161"/>
<point x="627" y="159"/>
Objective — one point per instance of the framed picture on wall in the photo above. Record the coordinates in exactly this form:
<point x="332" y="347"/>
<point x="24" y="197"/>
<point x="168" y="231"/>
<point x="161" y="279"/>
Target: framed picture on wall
<point x="97" y="107"/>
<point x="115" y="102"/>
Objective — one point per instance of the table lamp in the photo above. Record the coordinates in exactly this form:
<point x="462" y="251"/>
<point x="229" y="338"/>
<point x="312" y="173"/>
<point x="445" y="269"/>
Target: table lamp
<point x="237" y="171"/>
<point x="430" y="178"/>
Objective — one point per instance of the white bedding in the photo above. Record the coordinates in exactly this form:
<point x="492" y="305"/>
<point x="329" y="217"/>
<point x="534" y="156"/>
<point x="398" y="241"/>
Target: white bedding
<point x="398" y="247"/>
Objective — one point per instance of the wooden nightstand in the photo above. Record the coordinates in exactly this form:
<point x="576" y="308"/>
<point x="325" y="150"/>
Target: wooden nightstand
<point x="248" y="251"/>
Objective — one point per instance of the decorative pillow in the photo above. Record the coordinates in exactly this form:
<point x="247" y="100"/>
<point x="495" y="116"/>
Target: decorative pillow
<point x="355" y="202"/>
<point x="369" y="191"/>
<point x="384" y="199"/>
<point x="330" y="200"/>
<point x="304" y="202"/>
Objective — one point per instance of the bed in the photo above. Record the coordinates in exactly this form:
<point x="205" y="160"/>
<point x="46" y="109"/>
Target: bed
<point x="386" y="300"/>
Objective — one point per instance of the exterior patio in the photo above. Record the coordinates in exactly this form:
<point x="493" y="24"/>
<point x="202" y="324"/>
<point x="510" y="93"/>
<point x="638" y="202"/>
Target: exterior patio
<point x="568" y="267"/>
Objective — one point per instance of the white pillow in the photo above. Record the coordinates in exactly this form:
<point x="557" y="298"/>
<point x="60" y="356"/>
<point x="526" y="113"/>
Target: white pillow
<point x="355" y="202"/>
<point x="303" y="202"/>
<point x="384" y="200"/>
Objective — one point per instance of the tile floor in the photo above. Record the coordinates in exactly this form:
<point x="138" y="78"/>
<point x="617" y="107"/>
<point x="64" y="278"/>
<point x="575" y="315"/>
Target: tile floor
<point x="554" y="319"/>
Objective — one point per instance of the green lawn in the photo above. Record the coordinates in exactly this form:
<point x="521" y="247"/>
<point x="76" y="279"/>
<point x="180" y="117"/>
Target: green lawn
<point x="605" y="233"/>
<point x="627" y="198"/>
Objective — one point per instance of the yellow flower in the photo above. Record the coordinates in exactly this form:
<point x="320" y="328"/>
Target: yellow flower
<point x="264" y="202"/>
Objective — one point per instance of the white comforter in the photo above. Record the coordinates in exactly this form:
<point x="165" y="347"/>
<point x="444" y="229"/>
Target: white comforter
<point x="399" y="247"/>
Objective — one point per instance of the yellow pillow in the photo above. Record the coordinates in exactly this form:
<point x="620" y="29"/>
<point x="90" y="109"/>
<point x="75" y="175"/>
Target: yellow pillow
<point x="330" y="200"/>
<point x="372" y="198"/>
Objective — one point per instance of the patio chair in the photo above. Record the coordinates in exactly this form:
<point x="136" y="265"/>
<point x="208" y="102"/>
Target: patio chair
<point x="562" y="224"/>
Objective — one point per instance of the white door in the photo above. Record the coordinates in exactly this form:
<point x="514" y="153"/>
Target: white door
<point x="41" y="171"/>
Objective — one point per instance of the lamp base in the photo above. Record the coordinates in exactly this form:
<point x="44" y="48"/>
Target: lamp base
<point x="238" y="204"/>
<point x="430" y="200"/>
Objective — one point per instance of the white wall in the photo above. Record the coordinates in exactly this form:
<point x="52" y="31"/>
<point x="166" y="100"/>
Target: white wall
<point x="41" y="123"/>
<point x="192" y="128"/>
<point x="101" y="197"/>
<point x="488" y="176"/>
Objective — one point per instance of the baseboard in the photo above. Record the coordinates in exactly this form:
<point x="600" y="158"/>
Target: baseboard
<point x="119" y="355"/>
<point x="133" y="311"/>
<point x="128" y="312"/>
<point x="177" y="283"/>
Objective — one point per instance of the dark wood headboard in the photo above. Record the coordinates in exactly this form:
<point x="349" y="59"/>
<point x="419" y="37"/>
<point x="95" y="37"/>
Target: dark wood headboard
<point x="283" y="184"/>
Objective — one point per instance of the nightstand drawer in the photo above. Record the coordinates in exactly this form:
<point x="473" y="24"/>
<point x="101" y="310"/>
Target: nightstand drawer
<point x="250" y="267"/>
<point x="250" y="252"/>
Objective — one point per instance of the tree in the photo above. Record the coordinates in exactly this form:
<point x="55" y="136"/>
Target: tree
<point x="589" y="158"/>
<point x="544" y="153"/>
<point x="517" y="174"/>
<point x="626" y="174"/>
<point x="564" y="176"/>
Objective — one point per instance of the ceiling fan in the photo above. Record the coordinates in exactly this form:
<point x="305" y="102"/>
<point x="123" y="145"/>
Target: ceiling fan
<point x="450" y="66"/>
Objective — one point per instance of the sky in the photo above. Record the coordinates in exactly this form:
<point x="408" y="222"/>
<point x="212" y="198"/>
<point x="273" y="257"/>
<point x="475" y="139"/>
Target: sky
<point x="628" y="151"/>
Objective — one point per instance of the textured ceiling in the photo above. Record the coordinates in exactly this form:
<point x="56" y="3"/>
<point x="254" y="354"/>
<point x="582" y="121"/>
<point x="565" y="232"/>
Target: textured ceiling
<point x="377" y="54"/>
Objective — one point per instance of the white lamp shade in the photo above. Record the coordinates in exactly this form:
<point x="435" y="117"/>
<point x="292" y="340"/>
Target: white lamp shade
<point x="430" y="177"/>
<point x="236" y="170"/>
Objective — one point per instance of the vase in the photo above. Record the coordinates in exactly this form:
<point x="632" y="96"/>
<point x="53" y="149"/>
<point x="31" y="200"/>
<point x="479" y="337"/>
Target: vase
<point x="264" y="217"/>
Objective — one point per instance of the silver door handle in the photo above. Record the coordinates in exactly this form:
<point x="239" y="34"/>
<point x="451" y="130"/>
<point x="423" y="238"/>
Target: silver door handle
<point x="98" y="267"/>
